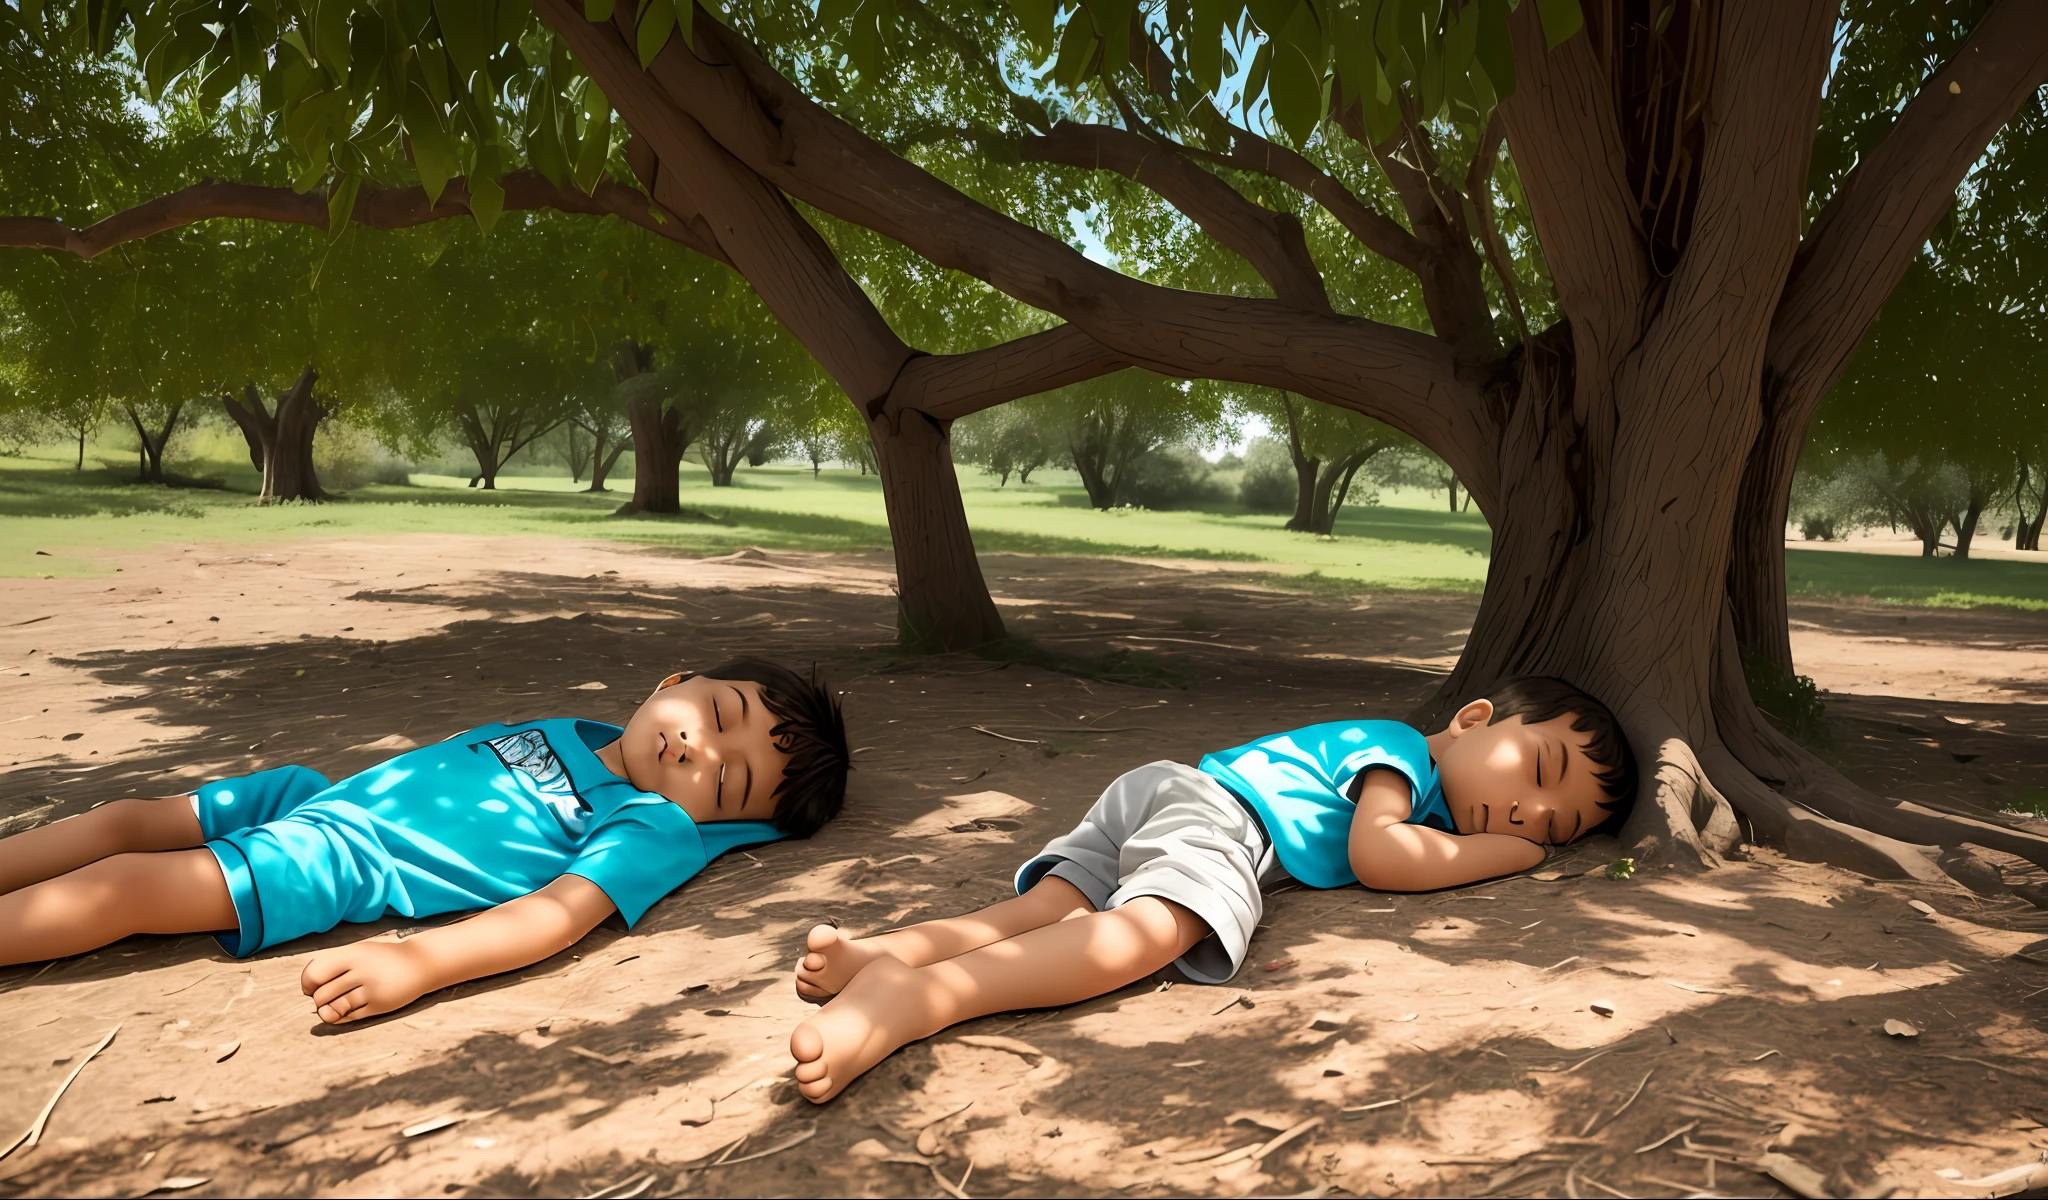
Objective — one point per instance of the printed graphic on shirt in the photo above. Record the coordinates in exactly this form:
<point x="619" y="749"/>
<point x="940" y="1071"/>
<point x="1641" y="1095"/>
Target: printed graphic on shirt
<point x="528" y="753"/>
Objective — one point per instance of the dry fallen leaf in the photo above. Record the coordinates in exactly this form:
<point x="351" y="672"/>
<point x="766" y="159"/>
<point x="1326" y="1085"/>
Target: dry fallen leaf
<point x="1921" y="906"/>
<point x="592" y="686"/>
<point x="1604" y="1008"/>
<point x="610" y="1060"/>
<point x="180" y="1183"/>
<point x="1407" y="1016"/>
<point x="225" y="1051"/>
<point x="1326" y="1023"/>
<point x="1898" y="1028"/>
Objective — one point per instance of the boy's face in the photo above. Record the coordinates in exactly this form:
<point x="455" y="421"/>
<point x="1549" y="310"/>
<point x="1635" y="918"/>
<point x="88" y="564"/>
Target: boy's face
<point x="1531" y="781"/>
<point x="704" y="744"/>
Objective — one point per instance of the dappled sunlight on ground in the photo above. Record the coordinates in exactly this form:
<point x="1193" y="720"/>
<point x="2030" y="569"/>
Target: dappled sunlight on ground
<point x="1439" y="1044"/>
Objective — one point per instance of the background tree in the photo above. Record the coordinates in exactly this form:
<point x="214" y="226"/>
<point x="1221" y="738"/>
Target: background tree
<point x="1326" y="447"/>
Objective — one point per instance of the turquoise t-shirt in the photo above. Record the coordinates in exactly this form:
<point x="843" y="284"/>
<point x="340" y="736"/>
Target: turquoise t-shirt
<point x="487" y="816"/>
<point x="1298" y="783"/>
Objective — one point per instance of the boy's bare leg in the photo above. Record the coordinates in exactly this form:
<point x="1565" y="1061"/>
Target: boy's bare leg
<point x="123" y="827"/>
<point x="180" y="891"/>
<point x="834" y="959"/>
<point x="889" y="1004"/>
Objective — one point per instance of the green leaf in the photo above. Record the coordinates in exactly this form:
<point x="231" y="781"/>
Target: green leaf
<point x="433" y="71"/>
<point x="1079" y="47"/>
<point x="657" y="22"/>
<point x="486" y="194"/>
<point x="1205" y="44"/>
<point x="513" y="16"/>
<point x="330" y="38"/>
<point x="597" y="10"/>
<point x="1271" y="15"/>
<point x="1036" y="18"/>
<point x="466" y="31"/>
<point x="1112" y="19"/>
<point x="1296" y="89"/>
<point x="595" y="148"/>
<point x="297" y="41"/>
<point x="1255" y="77"/>
<point x="1561" y="19"/>
<point x="341" y="202"/>
<point x="433" y="153"/>
<point x="1495" y="49"/>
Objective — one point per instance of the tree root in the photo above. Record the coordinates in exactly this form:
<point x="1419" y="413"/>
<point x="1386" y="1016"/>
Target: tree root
<point x="1680" y="818"/>
<point x="1820" y="814"/>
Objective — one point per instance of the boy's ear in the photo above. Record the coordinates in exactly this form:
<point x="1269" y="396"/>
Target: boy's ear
<point x="670" y="682"/>
<point x="1472" y="716"/>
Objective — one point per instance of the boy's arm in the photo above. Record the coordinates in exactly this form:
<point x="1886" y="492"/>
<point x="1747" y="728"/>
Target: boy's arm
<point x="1390" y="855"/>
<point x="376" y="976"/>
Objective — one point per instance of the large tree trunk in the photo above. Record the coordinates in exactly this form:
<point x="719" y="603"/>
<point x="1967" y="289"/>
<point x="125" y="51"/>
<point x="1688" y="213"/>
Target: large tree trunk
<point x="281" y="443"/>
<point x="658" y="445"/>
<point x="1305" y="467"/>
<point x="942" y="599"/>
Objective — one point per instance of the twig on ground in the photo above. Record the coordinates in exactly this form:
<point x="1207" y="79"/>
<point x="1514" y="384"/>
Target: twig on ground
<point x="34" y="1133"/>
<point x="1991" y="1065"/>
<point x="1599" y="1121"/>
<point x="956" y="1190"/>
<point x="1285" y="1138"/>
<point x="1364" y="1108"/>
<point x="1603" y="1187"/>
<point x="1234" y="1002"/>
<point x="1006" y="737"/>
<point x="777" y="1148"/>
<point x="1666" y="1139"/>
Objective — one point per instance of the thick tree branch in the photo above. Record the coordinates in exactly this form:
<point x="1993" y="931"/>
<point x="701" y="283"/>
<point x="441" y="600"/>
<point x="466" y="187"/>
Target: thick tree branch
<point x="1397" y="375"/>
<point x="1886" y="207"/>
<point x="1568" y="147"/>
<point x="949" y="386"/>
<point x="1271" y="242"/>
<point x="1762" y="112"/>
<point x="382" y="208"/>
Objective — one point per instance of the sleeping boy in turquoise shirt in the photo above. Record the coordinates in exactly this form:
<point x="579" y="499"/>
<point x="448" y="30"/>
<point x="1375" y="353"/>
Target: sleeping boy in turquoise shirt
<point x="548" y="826"/>
<point x="1167" y="865"/>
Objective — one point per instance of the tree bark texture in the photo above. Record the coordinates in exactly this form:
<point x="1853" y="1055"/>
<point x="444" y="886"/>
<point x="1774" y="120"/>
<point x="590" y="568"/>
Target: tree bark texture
<point x="281" y="441"/>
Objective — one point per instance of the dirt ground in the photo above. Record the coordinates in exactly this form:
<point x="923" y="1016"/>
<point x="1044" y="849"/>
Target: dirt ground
<point x="1410" y="1045"/>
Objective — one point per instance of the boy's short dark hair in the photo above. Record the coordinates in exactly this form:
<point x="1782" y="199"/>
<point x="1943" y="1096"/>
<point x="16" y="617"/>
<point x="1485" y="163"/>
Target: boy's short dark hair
<point x="810" y="729"/>
<point x="1540" y="698"/>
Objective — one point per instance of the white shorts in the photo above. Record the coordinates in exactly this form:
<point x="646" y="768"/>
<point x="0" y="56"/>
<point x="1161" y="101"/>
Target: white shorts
<point x="1170" y="831"/>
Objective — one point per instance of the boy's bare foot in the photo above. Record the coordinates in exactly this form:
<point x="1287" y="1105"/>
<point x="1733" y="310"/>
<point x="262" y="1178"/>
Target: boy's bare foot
<point x="833" y="959"/>
<point x="882" y="1009"/>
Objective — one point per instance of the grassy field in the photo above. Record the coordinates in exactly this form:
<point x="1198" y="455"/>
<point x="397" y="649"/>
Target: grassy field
<point x="57" y="521"/>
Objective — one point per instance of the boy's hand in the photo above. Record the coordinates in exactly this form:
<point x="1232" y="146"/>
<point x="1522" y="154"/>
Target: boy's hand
<point x="365" y="979"/>
<point x="382" y="974"/>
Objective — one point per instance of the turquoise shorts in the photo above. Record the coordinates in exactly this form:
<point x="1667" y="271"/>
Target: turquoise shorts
<point x="295" y="864"/>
